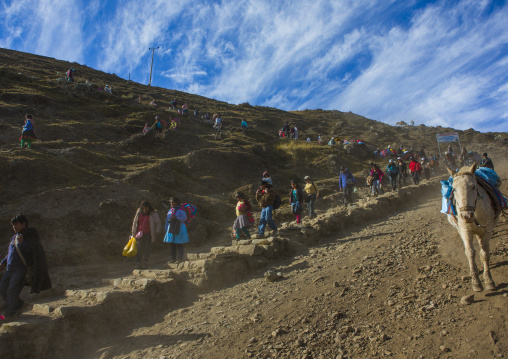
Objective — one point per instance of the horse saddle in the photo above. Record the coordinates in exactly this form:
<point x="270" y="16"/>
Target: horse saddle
<point x="498" y="200"/>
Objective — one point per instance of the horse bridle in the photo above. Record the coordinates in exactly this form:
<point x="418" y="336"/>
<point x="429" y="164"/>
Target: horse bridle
<point x="469" y="208"/>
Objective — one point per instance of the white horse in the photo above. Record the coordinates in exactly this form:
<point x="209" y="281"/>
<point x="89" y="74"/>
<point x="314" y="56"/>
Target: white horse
<point x="476" y="216"/>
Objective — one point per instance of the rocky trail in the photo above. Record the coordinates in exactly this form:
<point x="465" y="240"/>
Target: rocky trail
<point x="382" y="279"/>
<point x="389" y="288"/>
<point x="384" y="284"/>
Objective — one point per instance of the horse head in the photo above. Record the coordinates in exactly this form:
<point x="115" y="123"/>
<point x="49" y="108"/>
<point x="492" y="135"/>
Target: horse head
<point x="465" y="192"/>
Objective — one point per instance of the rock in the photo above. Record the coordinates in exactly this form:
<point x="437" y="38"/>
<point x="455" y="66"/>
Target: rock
<point x="192" y="256"/>
<point x="245" y="242"/>
<point x="268" y="251"/>
<point x="444" y="349"/>
<point x="101" y="296"/>
<point x="217" y="250"/>
<point x="68" y="311"/>
<point x="42" y="309"/>
<point x="466" y="278"/>
<point x="467" y="299"/>
<point x="253" y="340"/>
<point x="271" y="276"/>
<point x="251" y="250"/>
<point x="384" y="337"/>
<point x="348" y="329"/>
<point x="278" y="332"/>
<point x="261" y="241"/>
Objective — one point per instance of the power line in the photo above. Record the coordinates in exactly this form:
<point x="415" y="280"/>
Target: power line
<point x="151" y="66"/>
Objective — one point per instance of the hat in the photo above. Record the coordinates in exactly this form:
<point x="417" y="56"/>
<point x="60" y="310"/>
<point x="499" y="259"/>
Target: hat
<point x="266" y="173"/>
<point x="342" y="168"/>
<point x="391" y="161"/>
<point x="156" y="117"/>
<point x="306" y="178"/>
<point x="399" y="158"/>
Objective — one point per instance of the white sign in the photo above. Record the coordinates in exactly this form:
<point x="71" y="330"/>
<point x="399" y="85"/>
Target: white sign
<point x="448" y="137"/>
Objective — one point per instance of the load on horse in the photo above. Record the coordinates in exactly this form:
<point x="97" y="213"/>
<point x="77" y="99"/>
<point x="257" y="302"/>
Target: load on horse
<point x="473" y="208"/>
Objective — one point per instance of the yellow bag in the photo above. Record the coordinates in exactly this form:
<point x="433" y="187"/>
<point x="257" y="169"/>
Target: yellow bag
<point x="131" y="249"/>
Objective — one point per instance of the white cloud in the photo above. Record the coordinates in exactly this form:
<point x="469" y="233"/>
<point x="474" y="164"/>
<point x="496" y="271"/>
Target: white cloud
<point x="46" y="27"/>
<point x="435" y="72"/>
<point x="135" y="27"/>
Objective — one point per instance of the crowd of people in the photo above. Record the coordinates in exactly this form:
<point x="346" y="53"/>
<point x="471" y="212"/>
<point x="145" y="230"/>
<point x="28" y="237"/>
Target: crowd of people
<point x="26" y="255"/>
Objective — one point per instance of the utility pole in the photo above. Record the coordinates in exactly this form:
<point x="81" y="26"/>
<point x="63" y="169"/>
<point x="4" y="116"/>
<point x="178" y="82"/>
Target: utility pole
<point x="151" y="66"/>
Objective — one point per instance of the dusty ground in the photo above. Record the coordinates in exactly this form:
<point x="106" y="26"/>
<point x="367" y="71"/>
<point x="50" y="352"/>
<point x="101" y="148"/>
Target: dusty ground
<point x="390" y="288"/>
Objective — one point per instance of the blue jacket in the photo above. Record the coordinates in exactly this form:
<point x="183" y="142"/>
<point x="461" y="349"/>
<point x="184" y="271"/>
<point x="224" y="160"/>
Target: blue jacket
<point x="392" y="169"/>
<point x="13" y="261"/>
<point x="344" y="177"/>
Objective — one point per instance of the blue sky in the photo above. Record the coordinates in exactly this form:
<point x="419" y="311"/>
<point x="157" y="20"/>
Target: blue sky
<point x="433" y="62"/>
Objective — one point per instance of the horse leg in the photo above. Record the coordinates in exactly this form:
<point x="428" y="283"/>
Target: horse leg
<point x="467" y="239"/>
<point x="484" y="242"/>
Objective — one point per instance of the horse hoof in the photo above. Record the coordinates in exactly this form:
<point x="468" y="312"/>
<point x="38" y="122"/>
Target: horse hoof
<point x="477" y="287"/>
<point x="490" y="286"/>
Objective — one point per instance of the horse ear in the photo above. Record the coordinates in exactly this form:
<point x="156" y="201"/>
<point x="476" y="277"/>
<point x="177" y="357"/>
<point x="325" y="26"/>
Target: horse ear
<point x="473" y="168"/>
<point x="450" y="171"/>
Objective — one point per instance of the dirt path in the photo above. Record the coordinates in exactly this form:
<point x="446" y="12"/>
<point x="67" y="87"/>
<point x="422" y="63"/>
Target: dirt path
<point x="390" y="288"/>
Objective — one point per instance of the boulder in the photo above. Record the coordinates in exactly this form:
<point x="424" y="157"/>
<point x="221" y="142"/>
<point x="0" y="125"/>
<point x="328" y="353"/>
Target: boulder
<point x="251" y="250"/>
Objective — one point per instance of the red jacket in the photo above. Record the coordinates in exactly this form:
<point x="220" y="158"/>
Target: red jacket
<point x="415" y="166"/>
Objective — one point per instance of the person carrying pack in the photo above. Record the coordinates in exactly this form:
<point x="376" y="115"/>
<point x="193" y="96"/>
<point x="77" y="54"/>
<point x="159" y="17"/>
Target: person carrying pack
<point x="296" y="199"/>
<point x="346" y="184"/>
<point x="176" y="229"/>
<point x="218" y="126"/>
<point x="402" y="171"/>
<point x="416" y="169"/>
<point x="393" y="172"/>
<point x="312" y="193"/>
<point x="265" y="196"/>
<point x="244" y="218"/>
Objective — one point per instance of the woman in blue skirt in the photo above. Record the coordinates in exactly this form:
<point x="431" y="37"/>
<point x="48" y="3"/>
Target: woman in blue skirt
<point x="176" y="229"/>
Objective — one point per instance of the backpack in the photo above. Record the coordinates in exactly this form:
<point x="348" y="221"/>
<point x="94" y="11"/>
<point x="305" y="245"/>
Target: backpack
<point x="277" y="201"/>
<point x="247" y="205"/>
<point x="190" y="210"/>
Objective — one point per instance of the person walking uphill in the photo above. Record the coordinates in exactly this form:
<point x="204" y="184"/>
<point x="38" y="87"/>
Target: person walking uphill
<point x="145" y="227"/>
<point x="346" y="182"/>
<point x="296" y="200"/>
<point x="312" y="192"/>
<point x="265" y="196"/>
<point x="176" y="230"/>
<point x="25" y="254"/>
<point x="244" y="217"/>
<point x="28" y="133"/>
